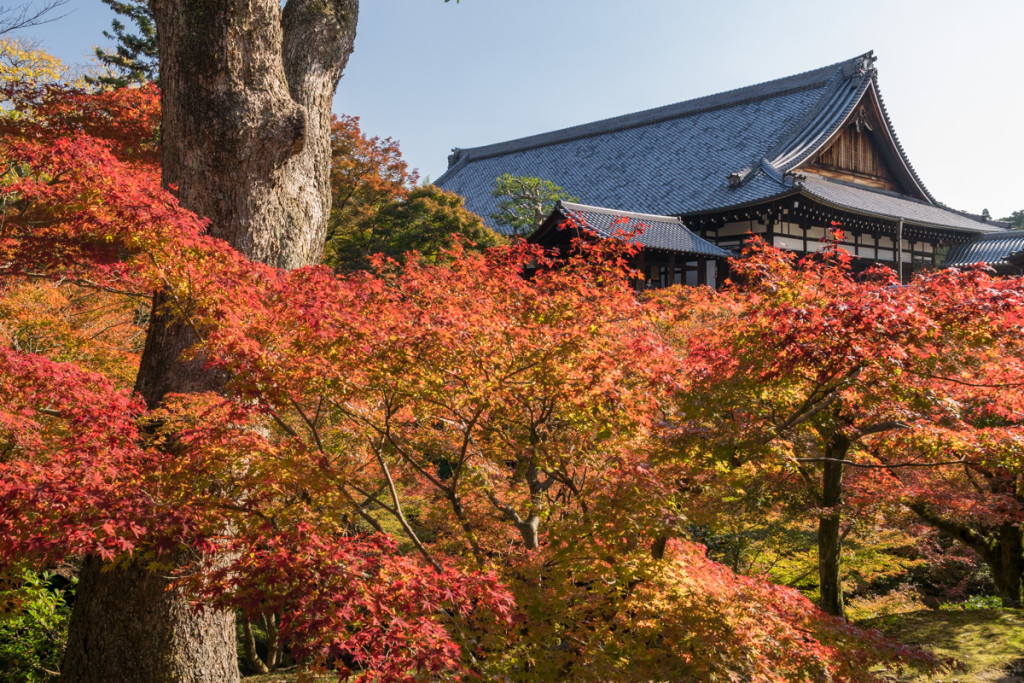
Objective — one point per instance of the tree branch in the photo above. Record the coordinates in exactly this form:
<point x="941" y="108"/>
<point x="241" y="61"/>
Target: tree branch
<point x="961" y="532"/>
<point x="880" y="427"/>
<point x="853" y="463"/>
<point x="398" y="509"/>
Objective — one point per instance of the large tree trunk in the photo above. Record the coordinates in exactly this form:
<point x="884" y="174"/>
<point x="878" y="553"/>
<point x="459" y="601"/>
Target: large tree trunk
<point x="126" y="626"/>
<point x="830" y="545"/>
<point x="246" y="96"/>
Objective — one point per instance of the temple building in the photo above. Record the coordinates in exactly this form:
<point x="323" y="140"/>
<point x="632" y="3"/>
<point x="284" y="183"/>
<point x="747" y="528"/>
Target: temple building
<point x="790" y="160"/>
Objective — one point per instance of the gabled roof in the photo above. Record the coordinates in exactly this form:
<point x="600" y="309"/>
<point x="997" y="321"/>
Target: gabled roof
<point x="732" y="149"/>
<point x="666" y="233"/>
<point x="994" y="249"/>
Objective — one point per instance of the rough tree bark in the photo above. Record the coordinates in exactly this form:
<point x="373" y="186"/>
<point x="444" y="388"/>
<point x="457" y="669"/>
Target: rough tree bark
<point x="246" y="96"/>
<point x="830" y="541"/>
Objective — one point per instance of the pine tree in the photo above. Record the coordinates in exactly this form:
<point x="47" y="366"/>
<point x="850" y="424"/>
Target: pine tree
<point x="133" y="59"/>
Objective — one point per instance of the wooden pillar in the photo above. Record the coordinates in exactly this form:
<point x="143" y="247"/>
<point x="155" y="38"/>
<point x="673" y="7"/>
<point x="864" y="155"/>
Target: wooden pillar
<point x="899" y="251"/>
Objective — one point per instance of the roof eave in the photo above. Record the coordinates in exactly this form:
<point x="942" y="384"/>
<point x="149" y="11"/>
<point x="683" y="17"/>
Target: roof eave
<point x="804" y="192"/>
<point x="886" y="217"/>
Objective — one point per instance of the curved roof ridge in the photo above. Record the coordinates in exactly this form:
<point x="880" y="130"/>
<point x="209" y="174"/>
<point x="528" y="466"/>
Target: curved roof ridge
<point x="837" y="104"/>
<point x="833" y="110"/>
<point x="780" y="86"/>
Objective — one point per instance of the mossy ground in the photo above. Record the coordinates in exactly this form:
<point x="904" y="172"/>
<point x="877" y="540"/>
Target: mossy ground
<point x="989" y="643"/>
<point x="290" y="675"/>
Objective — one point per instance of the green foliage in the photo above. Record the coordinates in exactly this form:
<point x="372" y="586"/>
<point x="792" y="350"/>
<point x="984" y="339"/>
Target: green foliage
<point x="133" y="59"/>
<point x="33" y="628"/>
<point x="525" y="202"/>
<point x="1015" y="219"/>
<point x="973" y="602"/>
<point x="427" y="220"/>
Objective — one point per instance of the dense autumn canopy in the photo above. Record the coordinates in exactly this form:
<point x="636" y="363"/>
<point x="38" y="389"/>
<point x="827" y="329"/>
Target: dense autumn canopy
<point x="482" y="464"/>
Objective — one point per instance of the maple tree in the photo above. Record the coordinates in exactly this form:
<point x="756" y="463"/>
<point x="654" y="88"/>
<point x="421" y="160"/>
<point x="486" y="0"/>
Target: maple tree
<point x="858" y="386"/>
<point x="367" y="173"/>
<point x="107" y="508"/>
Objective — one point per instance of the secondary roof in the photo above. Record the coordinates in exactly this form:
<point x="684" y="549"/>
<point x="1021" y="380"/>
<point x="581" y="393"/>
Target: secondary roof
<point x="997" y="250"/>
<point x="665" y="233"/>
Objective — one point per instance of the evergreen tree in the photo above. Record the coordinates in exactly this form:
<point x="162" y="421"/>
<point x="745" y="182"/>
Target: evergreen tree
<point x="1015" y="219"/>
<point x="134" y="57"/>
<point x="525" y="202"/>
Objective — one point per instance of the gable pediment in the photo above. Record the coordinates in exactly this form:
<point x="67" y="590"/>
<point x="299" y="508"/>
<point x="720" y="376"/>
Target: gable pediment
<point x="863" y="152"/>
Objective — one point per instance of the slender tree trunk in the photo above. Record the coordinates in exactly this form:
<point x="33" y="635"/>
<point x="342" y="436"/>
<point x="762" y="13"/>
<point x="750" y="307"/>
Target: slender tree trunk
<point x="829" y="537"/>
<point x="273" y="642"/>
<point x="1007" y="564"/>
<point x="249" y="645"/>
<point x="529" y="528"/>
<point x="246" y="94"/>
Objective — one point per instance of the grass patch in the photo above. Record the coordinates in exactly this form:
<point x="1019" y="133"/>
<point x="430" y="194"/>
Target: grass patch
<point x="988" y="642"/>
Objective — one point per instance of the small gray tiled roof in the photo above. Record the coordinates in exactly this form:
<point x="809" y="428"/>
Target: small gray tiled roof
<point x="992" y="249"/>
<point x="887" y="205"/>
<point x="656" y="232"/>
<point x="677" y="159"/>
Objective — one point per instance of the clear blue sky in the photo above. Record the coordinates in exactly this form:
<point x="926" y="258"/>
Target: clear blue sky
<point x="437" y="76"/>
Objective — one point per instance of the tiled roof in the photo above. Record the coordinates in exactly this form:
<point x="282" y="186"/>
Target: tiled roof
<point x="658" y="232"/>
<point x="883" y="204"/>
<point x="678" y="159"/>
<point x="993" y="250"/>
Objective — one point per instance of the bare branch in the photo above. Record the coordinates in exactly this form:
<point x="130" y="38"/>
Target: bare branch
<point x="17" y="17"/>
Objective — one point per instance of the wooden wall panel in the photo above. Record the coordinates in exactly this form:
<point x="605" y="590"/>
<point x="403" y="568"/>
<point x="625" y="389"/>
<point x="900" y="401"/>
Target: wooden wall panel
<point x="853" y="157"/>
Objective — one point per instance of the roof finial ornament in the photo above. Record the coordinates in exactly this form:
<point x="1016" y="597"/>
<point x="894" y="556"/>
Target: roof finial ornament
<point x="454" y="156"/>
<point x="866" y="63"/>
